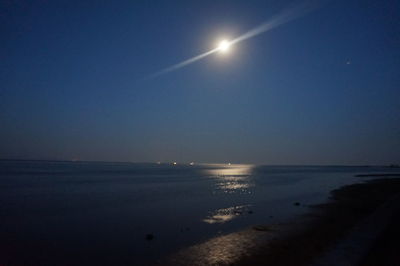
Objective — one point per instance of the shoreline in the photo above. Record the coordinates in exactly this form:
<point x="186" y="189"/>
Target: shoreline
<point x="299" y="242"/>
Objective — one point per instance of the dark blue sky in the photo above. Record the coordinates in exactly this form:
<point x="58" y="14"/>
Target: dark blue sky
<point x="322" y="89"/>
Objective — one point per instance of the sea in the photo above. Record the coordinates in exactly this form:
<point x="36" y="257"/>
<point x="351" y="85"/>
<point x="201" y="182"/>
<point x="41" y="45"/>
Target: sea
<point x="103" y="213"/>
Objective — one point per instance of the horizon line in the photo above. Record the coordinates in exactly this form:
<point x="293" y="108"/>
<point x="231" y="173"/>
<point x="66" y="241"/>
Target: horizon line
<point x="198" y="163"/>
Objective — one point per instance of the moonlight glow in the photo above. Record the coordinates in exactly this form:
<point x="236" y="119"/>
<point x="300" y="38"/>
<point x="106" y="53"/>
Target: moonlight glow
<point x="224" y="46"/>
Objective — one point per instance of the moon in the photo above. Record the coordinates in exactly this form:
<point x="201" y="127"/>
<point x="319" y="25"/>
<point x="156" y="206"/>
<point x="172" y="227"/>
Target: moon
<point x="224" y="46"/>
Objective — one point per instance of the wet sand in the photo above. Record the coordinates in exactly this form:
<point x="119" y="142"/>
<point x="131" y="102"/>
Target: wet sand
<point x="385" y="250"/>
<point x="305" y="239"/>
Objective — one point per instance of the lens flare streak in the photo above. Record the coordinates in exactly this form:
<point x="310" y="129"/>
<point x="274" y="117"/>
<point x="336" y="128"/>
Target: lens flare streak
<point x="182" y="64"/>
<point x="283" y="17"/>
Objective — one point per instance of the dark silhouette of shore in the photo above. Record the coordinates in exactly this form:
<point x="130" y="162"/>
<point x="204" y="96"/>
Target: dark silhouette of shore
<point x="333" y="221"/>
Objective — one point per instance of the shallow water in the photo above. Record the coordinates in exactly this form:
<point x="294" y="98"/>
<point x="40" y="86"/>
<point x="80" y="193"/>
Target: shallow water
<point x="79" y="213"/>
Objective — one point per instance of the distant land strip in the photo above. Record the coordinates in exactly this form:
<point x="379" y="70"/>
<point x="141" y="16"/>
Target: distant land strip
<point x="367" y="175"/>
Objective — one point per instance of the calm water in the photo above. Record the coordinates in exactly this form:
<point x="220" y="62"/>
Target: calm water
<point x="62" y="213"/>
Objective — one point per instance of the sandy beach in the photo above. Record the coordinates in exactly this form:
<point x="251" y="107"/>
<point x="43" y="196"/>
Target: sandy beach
<point x="306" y="240"/>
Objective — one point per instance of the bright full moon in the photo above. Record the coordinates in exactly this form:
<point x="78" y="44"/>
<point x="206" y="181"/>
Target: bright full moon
<point x="223" y="46"/>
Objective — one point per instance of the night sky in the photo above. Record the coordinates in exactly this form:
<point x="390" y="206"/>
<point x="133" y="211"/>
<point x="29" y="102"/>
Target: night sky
<point x="321" y="89"/>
